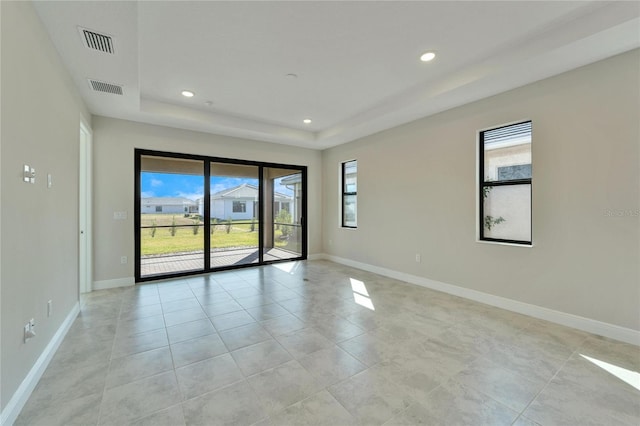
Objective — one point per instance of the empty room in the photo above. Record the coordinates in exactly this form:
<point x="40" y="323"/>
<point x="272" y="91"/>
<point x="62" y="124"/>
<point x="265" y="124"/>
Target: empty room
<point x="320" y="212"/>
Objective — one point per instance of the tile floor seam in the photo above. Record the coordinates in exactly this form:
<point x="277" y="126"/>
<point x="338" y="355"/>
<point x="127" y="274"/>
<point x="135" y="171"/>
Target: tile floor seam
<point x="548" y="383"/>
<point x="104" y="388"/>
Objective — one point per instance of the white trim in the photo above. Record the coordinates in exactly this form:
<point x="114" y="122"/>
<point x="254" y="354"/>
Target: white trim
<point x="501" y="243"/>
<point x="85" y="204"/>
<point x="589" y="325"/>
<point x="22" y="394"/>
<point x="118" y="282"/>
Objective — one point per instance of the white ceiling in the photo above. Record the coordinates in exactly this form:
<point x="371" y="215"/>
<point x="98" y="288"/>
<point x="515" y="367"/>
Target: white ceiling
<point x="357" y="62"/>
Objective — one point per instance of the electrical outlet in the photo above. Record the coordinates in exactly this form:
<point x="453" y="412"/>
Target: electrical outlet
<point x="123" y="260"/>
<point x="29" y="331"/>
<point x="49" y="308"/>
<point x="418" y="257"/>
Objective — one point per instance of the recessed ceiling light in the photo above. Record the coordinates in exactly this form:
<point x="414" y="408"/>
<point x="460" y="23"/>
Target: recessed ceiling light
<point x="188" y="93"/>
<point x="428" y="56"/>
<point x="307" y="121"/>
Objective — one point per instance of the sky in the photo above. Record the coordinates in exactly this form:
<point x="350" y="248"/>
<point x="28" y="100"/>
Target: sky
<point x="191" y="186"/>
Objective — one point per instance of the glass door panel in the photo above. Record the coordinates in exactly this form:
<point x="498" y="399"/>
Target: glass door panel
<point x="171" y="231"/>
<point x="234" y="214"/>
<point x="284" y="216"/>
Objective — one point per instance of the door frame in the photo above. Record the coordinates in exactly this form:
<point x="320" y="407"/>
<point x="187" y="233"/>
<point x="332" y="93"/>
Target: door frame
<point x="138" y="153"/>
<point x="85" y="187"/>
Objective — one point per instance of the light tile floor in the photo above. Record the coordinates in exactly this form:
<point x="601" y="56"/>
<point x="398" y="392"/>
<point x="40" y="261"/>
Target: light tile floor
<point x="319" y="343"/>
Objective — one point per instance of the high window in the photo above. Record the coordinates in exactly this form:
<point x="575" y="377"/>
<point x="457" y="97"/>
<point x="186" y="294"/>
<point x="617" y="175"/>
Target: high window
<point x="350" y="194"/>
<point x="505" y="184"/>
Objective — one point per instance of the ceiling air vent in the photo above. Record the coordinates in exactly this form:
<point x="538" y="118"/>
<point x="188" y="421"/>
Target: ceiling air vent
<point x="101" y="86"/>
<point x="96" y="41"/>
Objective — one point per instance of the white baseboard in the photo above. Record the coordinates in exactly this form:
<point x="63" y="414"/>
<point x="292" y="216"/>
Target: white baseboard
<point x="600" y="328"/>
<point x="115" y="283"/>
<point x="22" y="394"/>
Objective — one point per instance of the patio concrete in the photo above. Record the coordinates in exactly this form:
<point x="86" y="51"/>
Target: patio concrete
<point x="194" y="261"/>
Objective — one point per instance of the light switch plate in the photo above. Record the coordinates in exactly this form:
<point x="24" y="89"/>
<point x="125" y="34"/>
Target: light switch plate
<point x="28" y="174"/>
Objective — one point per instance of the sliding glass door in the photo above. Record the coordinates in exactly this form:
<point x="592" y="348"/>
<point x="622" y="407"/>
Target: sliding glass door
<point x="198" y="214"/>
<point x="171" y="229"/>
<point x="235" y="211"/>
<point x="284" y="232"/>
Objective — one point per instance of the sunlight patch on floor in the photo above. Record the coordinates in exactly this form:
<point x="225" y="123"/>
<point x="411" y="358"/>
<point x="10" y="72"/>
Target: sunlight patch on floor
<point x="628" y="376"/>
<point x="360" y="294"/>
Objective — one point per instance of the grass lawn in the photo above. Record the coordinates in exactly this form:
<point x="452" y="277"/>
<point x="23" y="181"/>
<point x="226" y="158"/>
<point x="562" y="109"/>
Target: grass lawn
<point x="184" y="240"/>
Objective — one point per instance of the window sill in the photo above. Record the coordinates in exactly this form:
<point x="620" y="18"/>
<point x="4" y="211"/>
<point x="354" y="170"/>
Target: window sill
<point x="504" y="244"/>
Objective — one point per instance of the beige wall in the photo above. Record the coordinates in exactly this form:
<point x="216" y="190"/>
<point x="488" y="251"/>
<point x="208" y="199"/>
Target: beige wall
<point x="40" y="127"/>
<point x="114" y="143"/>
<point x="417" y="194"/>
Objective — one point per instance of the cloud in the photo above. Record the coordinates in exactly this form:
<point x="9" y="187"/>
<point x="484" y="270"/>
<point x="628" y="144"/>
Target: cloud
<point x="218" y="187"/>
<point x="198" y="193"/>
<point x="147" y="194"/>
<point x="156" y="182"/>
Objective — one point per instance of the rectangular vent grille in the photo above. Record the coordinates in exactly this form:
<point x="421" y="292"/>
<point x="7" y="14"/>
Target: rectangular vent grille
<point x="97" y="41"/>
<point x="101" y="86"/>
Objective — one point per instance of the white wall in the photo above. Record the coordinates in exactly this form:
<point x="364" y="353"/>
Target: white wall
<point x="114" y="143"/>
<point x="585" y="164"/>
<point x="41" y="114"/>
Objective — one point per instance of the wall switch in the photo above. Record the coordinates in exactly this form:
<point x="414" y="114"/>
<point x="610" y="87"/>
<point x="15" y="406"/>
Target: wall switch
<point x="123" y="260"/>
<point x="28" y="174"/>
<point x="120" y="215"/>
<point x="49" y="181"/>
<point x="49" y="308"/>
<point x="418" y="257"/>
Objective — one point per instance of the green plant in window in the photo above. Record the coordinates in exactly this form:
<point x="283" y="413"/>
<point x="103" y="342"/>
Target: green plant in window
<point x="196" y="225"/>
<point x="174" y="228"/>
<point x="282" y="218"/>
<point x="253" y="224"/>
<point x="228" y="226"/>
<point x="153" y="228"/>
<point x="214" y="222"/>
<point x="490" y="221"/>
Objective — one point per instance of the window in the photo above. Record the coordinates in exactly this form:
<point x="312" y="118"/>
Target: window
<point x="239" y="207"/>
<point x="350" y="194"/>
<point x="158" y="209"/>
<point x="505" y="184"/>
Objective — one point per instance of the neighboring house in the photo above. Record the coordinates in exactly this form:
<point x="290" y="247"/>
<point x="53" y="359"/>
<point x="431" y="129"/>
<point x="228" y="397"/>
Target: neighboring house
<point x="240" y="202"/>
<point x="168" y="205"/>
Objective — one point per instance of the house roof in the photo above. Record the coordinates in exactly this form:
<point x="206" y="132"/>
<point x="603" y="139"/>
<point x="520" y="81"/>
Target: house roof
<point x="245" y="191"/>
<point x="291" y="179"/>
<point x="167" y="201"/>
